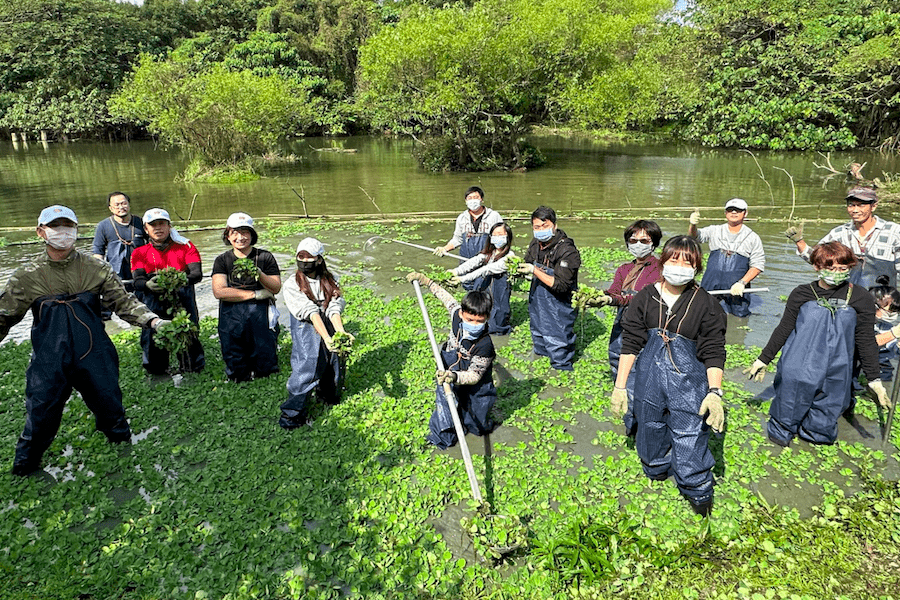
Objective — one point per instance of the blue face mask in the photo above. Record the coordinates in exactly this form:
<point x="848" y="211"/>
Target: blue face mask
<point x="542" y="235"/>
<point x="471" y="331"/>
<point x="498" y="241"/>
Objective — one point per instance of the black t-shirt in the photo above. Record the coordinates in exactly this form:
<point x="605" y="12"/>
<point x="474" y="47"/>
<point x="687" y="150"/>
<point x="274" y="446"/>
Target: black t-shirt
<point x="699" y="318"/>
<point x="224" y="265"/>
<point x="864" y="335"/>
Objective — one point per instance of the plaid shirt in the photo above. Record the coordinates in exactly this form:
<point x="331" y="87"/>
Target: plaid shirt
<point x="882" y="243"/>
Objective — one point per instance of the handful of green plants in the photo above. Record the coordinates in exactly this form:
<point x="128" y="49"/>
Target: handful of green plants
<point x="586" y="296"/>
<point x="512" y="266"/>
<point x="176" y="337"/>
<point x="343" y="343"/>
<point x="496" y="537"/>
<point x="170" y="280"/>
<point x="244" y="268"/>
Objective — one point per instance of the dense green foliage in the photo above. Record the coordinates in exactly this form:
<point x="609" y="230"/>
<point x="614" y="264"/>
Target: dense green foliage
<point x="467" y="79"/>
<point x="214" y="500"/>
<point x="783" y="74"/>
<point x="481" y="76"/>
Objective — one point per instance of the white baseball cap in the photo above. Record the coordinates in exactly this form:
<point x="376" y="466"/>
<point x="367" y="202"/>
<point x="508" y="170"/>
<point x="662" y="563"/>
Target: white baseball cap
<point x="156" y="214"/>
<point x="57" y="211"/>
<point x="736" y="203"/>
<point x="311" y="245"/>
<point x="239" y="220"/>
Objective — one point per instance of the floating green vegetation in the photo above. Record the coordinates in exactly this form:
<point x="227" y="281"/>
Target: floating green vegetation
<point x="170" y="280"/>
<point x="214" y="500"/>
<point x="176" y="338"/>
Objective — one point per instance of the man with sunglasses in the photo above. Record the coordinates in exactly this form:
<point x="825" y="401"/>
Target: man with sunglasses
<point x="874" y="241"/>
<point x="736" y="256"/>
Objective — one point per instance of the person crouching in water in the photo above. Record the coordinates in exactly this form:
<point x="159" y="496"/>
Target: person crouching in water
<point x="468" y="357"/>
<point x="487" y="271"/>
<point x="678" y="329"/>
<point x="248" y="321"/>
<point x="316" y="303"/>
<point x="825" y="323"/>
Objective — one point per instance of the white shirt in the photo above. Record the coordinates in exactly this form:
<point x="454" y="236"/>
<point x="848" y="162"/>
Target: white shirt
<point x="302" y="307"/>
<point x="464" y="225"/>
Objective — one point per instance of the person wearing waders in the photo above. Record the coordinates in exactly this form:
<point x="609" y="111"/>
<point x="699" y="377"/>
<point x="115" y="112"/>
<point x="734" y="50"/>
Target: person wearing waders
<point x="167" y="248"/>
<point x="468" y="357"/>
<point x="486" y="271"/>
<point x="874" y="241"/>
<point x="673" y="334"/>
<point x="887" y="313"/>
<point x="71" y="350"/>
<point x="117" y="236"/>
<point x="641" y="239"/>
<point x="736" y="256"/>
<point x="553" y="262"/>
<point x="824" y="323"/>
<point x="248" y="320"/>
<point x="316" y="304"/>
<point x="472" y="228"/>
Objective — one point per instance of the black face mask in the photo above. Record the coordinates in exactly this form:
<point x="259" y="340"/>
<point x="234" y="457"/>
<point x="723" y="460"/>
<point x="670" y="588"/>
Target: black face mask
<point x="307" y="268"/>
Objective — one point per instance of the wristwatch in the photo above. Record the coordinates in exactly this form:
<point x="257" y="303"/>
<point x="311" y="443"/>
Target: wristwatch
<point x="717" y="391"/>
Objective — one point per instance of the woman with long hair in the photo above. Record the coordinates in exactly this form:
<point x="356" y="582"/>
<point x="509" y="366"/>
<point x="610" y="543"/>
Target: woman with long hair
<point x="486" y="271"/>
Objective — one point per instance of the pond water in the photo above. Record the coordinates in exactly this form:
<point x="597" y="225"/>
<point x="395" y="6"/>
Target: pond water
<point x="624" y="181"/>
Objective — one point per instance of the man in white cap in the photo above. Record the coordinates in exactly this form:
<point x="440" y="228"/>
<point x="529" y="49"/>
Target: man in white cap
<point x="874" y="241"/>
<point x="473" y="227"/>
<point x="71" y="350"/>
<point x="167" y="248"/>
<point x="736" y="256"/>
<point x="248" y="322"/>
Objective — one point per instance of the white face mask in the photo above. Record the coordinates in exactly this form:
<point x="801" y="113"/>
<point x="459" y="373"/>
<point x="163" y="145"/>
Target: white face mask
<point x="498" y="241"/>
<point x="473" y="204"/>
<point x="640" y="250"/>
<point x="678" y="275"/>
<point x="62" y="237"/>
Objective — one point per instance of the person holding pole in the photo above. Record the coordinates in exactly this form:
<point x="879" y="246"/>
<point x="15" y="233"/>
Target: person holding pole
<point x="736" y="256"/>
<point x="468" y="356"/>
<point x="472" y="229"/>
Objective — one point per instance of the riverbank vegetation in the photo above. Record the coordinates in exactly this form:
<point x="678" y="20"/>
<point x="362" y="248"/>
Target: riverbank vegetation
<point x="214" y="500"/>
<point x="227" y="79"/>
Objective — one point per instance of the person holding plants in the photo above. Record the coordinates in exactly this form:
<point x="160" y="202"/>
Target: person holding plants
<point x="641" y="239"/>
<point x="473" y="227"/>
<point x="245" y="280"/>
<point x="487" y="271"/>
<point x="553" y="261"/>
<point x="468" y="357"/>
<point x="674" y="332"/>
<point x="316" y="304"/>
<point x="874" y="241"/>
<point x="736" y="256"/>
<point x="825" y="323"/>
<point x="66" y="291"/>
<point x="167" y="249"/>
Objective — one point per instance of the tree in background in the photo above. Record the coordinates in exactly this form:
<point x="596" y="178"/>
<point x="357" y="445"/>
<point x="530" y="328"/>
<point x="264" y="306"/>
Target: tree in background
<point x="784" y="74"/>
<point x="61" y="59"/>
<point x="223" y="111"/>
<point x="470" y="82"/>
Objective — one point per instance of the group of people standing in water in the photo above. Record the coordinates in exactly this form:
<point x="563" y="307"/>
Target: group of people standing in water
<point x="666" y="349"/>
<point x="667" y="344"/>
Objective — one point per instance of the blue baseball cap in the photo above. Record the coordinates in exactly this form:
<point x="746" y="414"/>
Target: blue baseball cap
<point x="57" y="211"/>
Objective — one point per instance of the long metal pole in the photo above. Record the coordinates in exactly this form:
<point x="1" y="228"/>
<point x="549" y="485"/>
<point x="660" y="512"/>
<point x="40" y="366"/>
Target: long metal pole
<point x="456" y="256"/>
<point x="746" y="291"/>
<point x="448" y="395"/>
<point x="890" y="417"/>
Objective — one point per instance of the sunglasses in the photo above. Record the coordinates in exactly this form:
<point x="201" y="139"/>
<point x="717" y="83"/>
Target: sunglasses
<point x="734" y="209"/>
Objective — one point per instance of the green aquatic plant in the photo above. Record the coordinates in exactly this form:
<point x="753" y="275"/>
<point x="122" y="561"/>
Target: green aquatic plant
<point x="245" y="269"/>
<point x="176" y="337"/>
<point x="170" y="280"/>
<point x="342" y="343"/>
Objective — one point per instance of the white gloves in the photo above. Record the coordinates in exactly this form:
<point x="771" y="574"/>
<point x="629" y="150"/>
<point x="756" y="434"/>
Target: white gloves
<point x="263" y="294"/>
<point x="756" y="371"/>
<point x="880" y="393"/>
<point x="416" y="276"/>
<point x="695" y="216"/>
<point x="445" y="377"/>
<point x="738" y="289"/>
<point x="439" y="251"/>
<point x="618" y="402"/>
<point x="712" y="404"/>
<point x="160" y="323"/>
<point x="153" y="286"/>
<point x="525" y="269"/>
